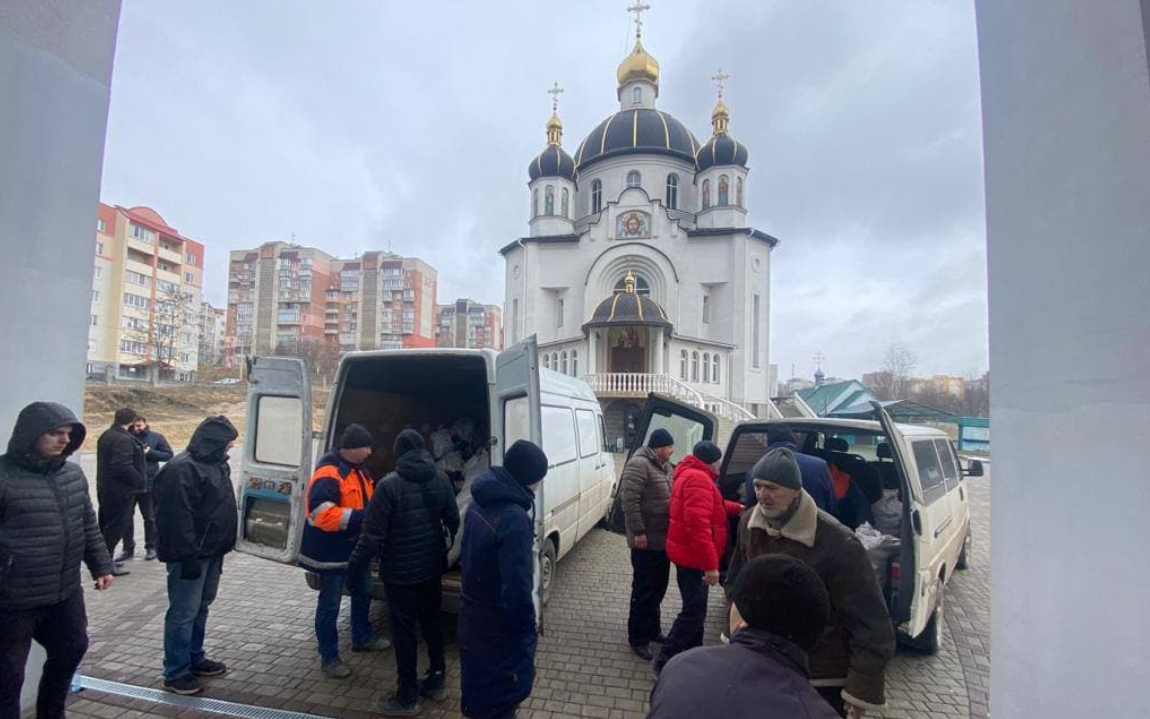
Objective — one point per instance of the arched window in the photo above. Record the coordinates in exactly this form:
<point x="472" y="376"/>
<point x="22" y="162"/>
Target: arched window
<point x="724" y="190"/>
<point x="706" y="194"/>
<point x="672" y="191"/>
<point x="549" y="200"/>
<point x="683" y="365"/>
<point x="535" y="202"/>
<point x="694" y="366"/>
<point x="637" y="95"/>
<point x="555" y="361"/>
<point x="567" y="203"/>
<point x="706" y="366"/>
<point x="546" y="361"/>
<point x="596" y="196"/>
<point x="715" y="369"/>
<point x="574" y="363"/>
<point x="634" y="179"/>
<point x="739" y="192"/>
<point x="563" y="362"/>
<point x="641" y="285"/>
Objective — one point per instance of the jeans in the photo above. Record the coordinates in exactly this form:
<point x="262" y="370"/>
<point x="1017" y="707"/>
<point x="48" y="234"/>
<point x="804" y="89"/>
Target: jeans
<point x="114" y="512"/>
<point x="327" y="613"/>
<point x="406" y="604"/>
<point x="145" y="501"/>
<point x="687" y="631"/>
<point x="62" y="629"/>
<point x="187" y="616"/>
<point x="652" y="572"/>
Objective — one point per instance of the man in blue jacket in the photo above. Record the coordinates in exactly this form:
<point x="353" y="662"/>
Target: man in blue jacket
<point x="816" y="476"/>
<point x="497" y="634"/>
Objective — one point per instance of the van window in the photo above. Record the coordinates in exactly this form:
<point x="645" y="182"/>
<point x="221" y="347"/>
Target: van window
<point x="558" y="435"/>
<point x="516" y="421"/>
<point x="929" y="472"/>
<point x="279" y="426"/>
<point x="603" y="434"/>
<point x="588" y="434"/>
<point x="949" y="466"/>
<point x="686" y="432"/>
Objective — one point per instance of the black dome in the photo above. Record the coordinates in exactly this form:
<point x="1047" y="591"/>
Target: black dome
<point x="637" y="131"/>
<point x="628" y="308"/>
<point x="721" y="150"/>
<point x="552" y="162"/>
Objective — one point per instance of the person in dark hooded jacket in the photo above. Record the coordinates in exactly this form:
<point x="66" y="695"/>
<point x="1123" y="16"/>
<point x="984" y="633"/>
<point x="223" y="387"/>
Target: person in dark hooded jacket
<point x="47" y="527"/>
<point x="196" y="517"/>
<point x="156" y="450"/>
<point x="121" y="474"/>
<point x="410" y="525"/>
<point x="497" y="633"/>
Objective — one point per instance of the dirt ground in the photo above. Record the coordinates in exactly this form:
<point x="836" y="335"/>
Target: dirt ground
<point x="174" y="410"/>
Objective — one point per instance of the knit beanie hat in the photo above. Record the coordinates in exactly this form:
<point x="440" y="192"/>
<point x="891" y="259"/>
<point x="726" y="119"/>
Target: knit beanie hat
<point x="526" y="462"/>
<point x="779" y="466"/>
<point x="355" y="436"/>
<point x="708" y="452"/>
<point x="407" y="441"/>
<point x="660" y="438"/>
<point x="784" y="596"/>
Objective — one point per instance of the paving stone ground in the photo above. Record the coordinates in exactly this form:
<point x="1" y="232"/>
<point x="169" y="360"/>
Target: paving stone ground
<point x="261" y="626"/>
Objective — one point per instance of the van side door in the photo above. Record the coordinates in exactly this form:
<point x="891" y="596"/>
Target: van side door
<point x="277" y="459"/>
<point x="592" y="487"/>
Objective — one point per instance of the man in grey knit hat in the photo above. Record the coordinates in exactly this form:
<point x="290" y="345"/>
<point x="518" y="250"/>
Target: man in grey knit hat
<point x="848" y="662"/>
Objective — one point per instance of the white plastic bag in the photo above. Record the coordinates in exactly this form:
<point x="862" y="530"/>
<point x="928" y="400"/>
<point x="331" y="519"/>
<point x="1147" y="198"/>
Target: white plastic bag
<point x="888" y="513"/>
<point x="879" y="548"/>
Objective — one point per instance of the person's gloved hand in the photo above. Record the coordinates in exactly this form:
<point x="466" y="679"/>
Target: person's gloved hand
<point x="190" y="569"/>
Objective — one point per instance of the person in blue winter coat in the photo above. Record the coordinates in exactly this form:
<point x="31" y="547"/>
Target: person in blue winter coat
<point x="497" y="634"/>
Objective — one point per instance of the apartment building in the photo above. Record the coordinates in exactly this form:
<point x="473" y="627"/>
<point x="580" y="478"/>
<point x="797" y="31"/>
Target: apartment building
<point x="281" y="294"/>
<point x="147" y="285"/>
<point x="212" y="326"/>
<point x="467" y="323"/>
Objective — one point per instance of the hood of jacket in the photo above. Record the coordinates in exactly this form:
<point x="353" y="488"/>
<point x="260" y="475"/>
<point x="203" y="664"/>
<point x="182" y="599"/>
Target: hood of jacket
<point x="782" y="650"/>
<point x="210" y="441"/>
<point x="33" y="422"/>
<point x="497" y="485"/>
<point x="691" y="462"/>
<point x="416" y="466"/>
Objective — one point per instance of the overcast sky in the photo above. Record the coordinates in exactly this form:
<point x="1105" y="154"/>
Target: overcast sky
<point x="356" y="124"/>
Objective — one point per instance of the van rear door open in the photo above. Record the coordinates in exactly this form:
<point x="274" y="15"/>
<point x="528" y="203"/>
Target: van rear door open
<point x="687" y="425"/>
<point x="277" y="461"/>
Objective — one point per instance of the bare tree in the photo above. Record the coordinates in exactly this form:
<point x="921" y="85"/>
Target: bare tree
<point x="171" y="316"/>
<point x="322" y="357"/>
<point x="897" y="368"/>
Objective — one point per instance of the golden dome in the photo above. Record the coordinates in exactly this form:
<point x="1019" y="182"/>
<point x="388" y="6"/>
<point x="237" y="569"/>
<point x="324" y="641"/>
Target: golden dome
<point x="554" y="129"/>
<point x="638" y="66"/>
<point x="720" y="117"/>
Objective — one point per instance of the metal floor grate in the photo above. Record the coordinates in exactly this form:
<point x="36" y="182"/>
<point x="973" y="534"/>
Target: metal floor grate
<point x="203" y="704"/>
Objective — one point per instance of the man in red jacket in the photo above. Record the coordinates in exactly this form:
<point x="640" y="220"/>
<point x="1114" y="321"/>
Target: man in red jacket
<point x="696" y="538"/>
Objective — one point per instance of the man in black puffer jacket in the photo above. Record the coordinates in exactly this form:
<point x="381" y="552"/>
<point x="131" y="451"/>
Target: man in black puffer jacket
<point x="411" y="523"/>
<point x="156" y="450"/>
<point x="121" y="474"/>
<point x="47" y="526"/>
<point x="196" y="519"/>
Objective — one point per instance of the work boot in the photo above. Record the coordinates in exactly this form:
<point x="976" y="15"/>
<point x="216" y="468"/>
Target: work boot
<point x="379" y="644"/>
<point x="125" y="555"/>
<point x="393" y="706"/>
<point x="149" y="555"/>
<point x="433" y="686"/>
<point x="643" y="651"/>
<point x="336" y="670"/>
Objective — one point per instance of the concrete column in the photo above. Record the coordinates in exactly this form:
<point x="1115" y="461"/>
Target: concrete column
<point x="658" y="341"/>
<point x="1066" y="116"/>
<point x="592" y="351"/>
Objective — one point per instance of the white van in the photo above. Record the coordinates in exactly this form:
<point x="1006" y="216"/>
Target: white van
<point x="503" y="395"/>
<point x="919" y="463"/>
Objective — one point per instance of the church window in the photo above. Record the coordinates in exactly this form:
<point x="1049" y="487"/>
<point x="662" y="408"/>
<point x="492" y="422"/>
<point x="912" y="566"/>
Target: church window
<point x="694" y="366"/>
<point x="706" y="366"/>
<point x="715" y="369"/>
<point x="756" y="319"/>
<point x="634" y="179"/>
<point x="574" y="363"/>
<point x="596" y="196"/>
<point x="637" y="96"/>
<point x="567" y="203"/>
<point x="535" y="202"/>
<point x="546" y="361"/>
<point x="563" y="362"/>
<point x="683" y="365"/>
<point x="672" y="191"/>
<point x="706" y="309"/>
<point x="706" y="194"/>
<point x="549" y="201"/>
<point x="724" y="190"/>
<point x="642" y="287"/>
<point x="559" y="313"/>
<point x="739" y="191"/>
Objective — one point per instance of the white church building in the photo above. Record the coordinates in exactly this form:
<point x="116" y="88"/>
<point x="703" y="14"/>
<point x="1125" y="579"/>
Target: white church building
<point x="640" y="272"/>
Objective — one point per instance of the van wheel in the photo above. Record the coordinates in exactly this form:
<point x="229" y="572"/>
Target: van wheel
<point x="930" y="641"/>
<point x="964" y="557"/>
<point x="547" y="571"/>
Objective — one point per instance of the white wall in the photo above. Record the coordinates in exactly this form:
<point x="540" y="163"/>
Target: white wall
<point x="1066" y="110"/>
<point x="55" y="76"/>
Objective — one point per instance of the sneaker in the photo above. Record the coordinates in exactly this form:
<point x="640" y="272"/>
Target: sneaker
<point x="393" y="707"/>
<point x="124" y="556"/>
<point x="149" y="555"/>
<point x="208" y="668"/>
<point x="433" y="686"/>
<point x="119" y="571"/>
<point x="724" y="638"/>
<point x="336" y="670"/>
<point x="379" y="644"/>
<point x="186" y="685"/>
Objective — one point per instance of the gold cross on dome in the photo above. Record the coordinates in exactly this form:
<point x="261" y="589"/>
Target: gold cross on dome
<point x="720" y="78"/>
<point x="555" y="92"/>
<point x="638" y="8"/>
